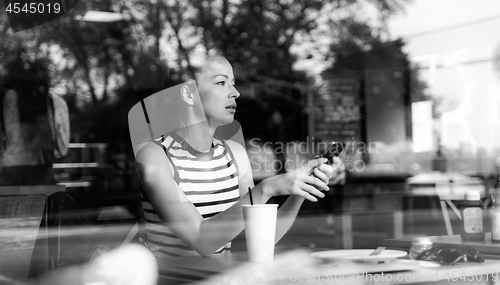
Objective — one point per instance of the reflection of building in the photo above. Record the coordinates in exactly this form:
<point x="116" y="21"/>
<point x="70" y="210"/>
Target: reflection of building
<point x="366" y="98"/>
<point x="463" y="115"/>
<point x="422" y="126"/>
<point x="339" y="106"/>
<point x="465" y="82"/>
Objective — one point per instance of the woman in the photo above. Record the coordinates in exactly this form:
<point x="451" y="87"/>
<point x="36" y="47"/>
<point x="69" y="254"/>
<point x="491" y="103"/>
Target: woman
<point x="194" y="184"/>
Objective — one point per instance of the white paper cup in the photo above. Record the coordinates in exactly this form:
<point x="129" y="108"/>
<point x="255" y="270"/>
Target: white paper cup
<point x="260" y="231"/>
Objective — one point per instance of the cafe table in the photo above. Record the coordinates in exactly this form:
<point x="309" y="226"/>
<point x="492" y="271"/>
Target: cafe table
<point x="297" y="266"/>
<point x="487" y="272"/>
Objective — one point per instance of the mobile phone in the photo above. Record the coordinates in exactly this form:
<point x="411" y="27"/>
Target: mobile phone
<point x="333" y="150"/>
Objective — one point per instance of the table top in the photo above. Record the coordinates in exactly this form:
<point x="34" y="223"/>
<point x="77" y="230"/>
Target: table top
<point x="436" y="177"/>
<point x="297" y="266"/>
<point x="486" y="247"/>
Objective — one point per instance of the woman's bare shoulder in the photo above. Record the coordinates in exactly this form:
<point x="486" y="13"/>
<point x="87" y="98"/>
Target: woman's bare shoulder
<point x="235" y="147"/>
<point x="151" y="153"/>
<point x="240" y="154"/>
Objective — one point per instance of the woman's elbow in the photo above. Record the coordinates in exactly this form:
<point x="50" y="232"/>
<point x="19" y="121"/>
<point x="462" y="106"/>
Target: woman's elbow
<point x="204" y="252"/>
<point x="203" y="247"/>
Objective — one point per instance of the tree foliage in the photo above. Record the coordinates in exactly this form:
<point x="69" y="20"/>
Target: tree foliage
<point x="100" y="63"/>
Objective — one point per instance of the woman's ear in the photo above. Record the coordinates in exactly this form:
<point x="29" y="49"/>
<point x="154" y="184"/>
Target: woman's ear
<point x="187" y="95"/>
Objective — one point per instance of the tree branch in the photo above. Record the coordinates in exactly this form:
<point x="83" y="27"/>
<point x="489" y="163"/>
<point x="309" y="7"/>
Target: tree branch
<point x="176" y="29"/>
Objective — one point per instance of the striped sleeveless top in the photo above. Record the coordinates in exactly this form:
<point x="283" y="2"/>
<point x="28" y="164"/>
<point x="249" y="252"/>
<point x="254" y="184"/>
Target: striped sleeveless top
<point x="209" y="181"/>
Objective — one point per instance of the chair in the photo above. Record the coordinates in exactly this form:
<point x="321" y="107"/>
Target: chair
<point x="453" y="191"/>
<point x="71" y="230"/>
<point x="449" y="187"/>
<point x="121" y="223"/>
<point x="121" y="213"/>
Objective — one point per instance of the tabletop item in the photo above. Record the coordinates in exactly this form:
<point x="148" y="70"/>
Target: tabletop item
<point x="359" y="254"/>
<point x="250" y="194"/>
<point x="418" y="263"/>
<point x="451" y="254"/>
<point x="472" y="217"/>
<point x="260" y="229"/>
<point x="333" y="150"/>
<point x="419" y="245"/>
<point x="378" y="250"/>
<point x="486" y="247"/>
<point x="495" y="214"/>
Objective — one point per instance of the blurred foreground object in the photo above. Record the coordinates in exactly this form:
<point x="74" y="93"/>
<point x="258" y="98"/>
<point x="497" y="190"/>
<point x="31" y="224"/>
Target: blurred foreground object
<point x="130" y="264"/>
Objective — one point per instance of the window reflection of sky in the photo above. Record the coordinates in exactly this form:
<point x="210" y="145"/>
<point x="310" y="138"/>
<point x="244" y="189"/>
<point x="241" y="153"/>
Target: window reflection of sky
<point x="455" y="42"/>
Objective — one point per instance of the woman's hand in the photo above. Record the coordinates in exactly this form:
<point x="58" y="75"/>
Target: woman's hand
<point x="300" y="182"/>
<point x="331" y="174"/>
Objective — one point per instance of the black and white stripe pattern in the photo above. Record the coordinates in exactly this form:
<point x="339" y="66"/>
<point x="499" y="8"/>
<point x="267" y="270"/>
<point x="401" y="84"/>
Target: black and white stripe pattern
<point x="209" y="181"/>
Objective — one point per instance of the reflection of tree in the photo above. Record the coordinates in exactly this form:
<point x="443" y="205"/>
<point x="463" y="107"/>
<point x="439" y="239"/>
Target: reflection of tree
<point x="34" y="127"/>
<point x="374" y="54"/>
<point x="256" y="35"/>
<point x="102" y="68"/>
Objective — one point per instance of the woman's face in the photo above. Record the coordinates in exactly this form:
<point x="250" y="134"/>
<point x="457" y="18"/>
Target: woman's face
<point x="217" y="91"/>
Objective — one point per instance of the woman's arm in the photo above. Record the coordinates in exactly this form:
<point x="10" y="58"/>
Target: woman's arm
<point x="289" y="210"/>
<point x="181" y="216"/>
